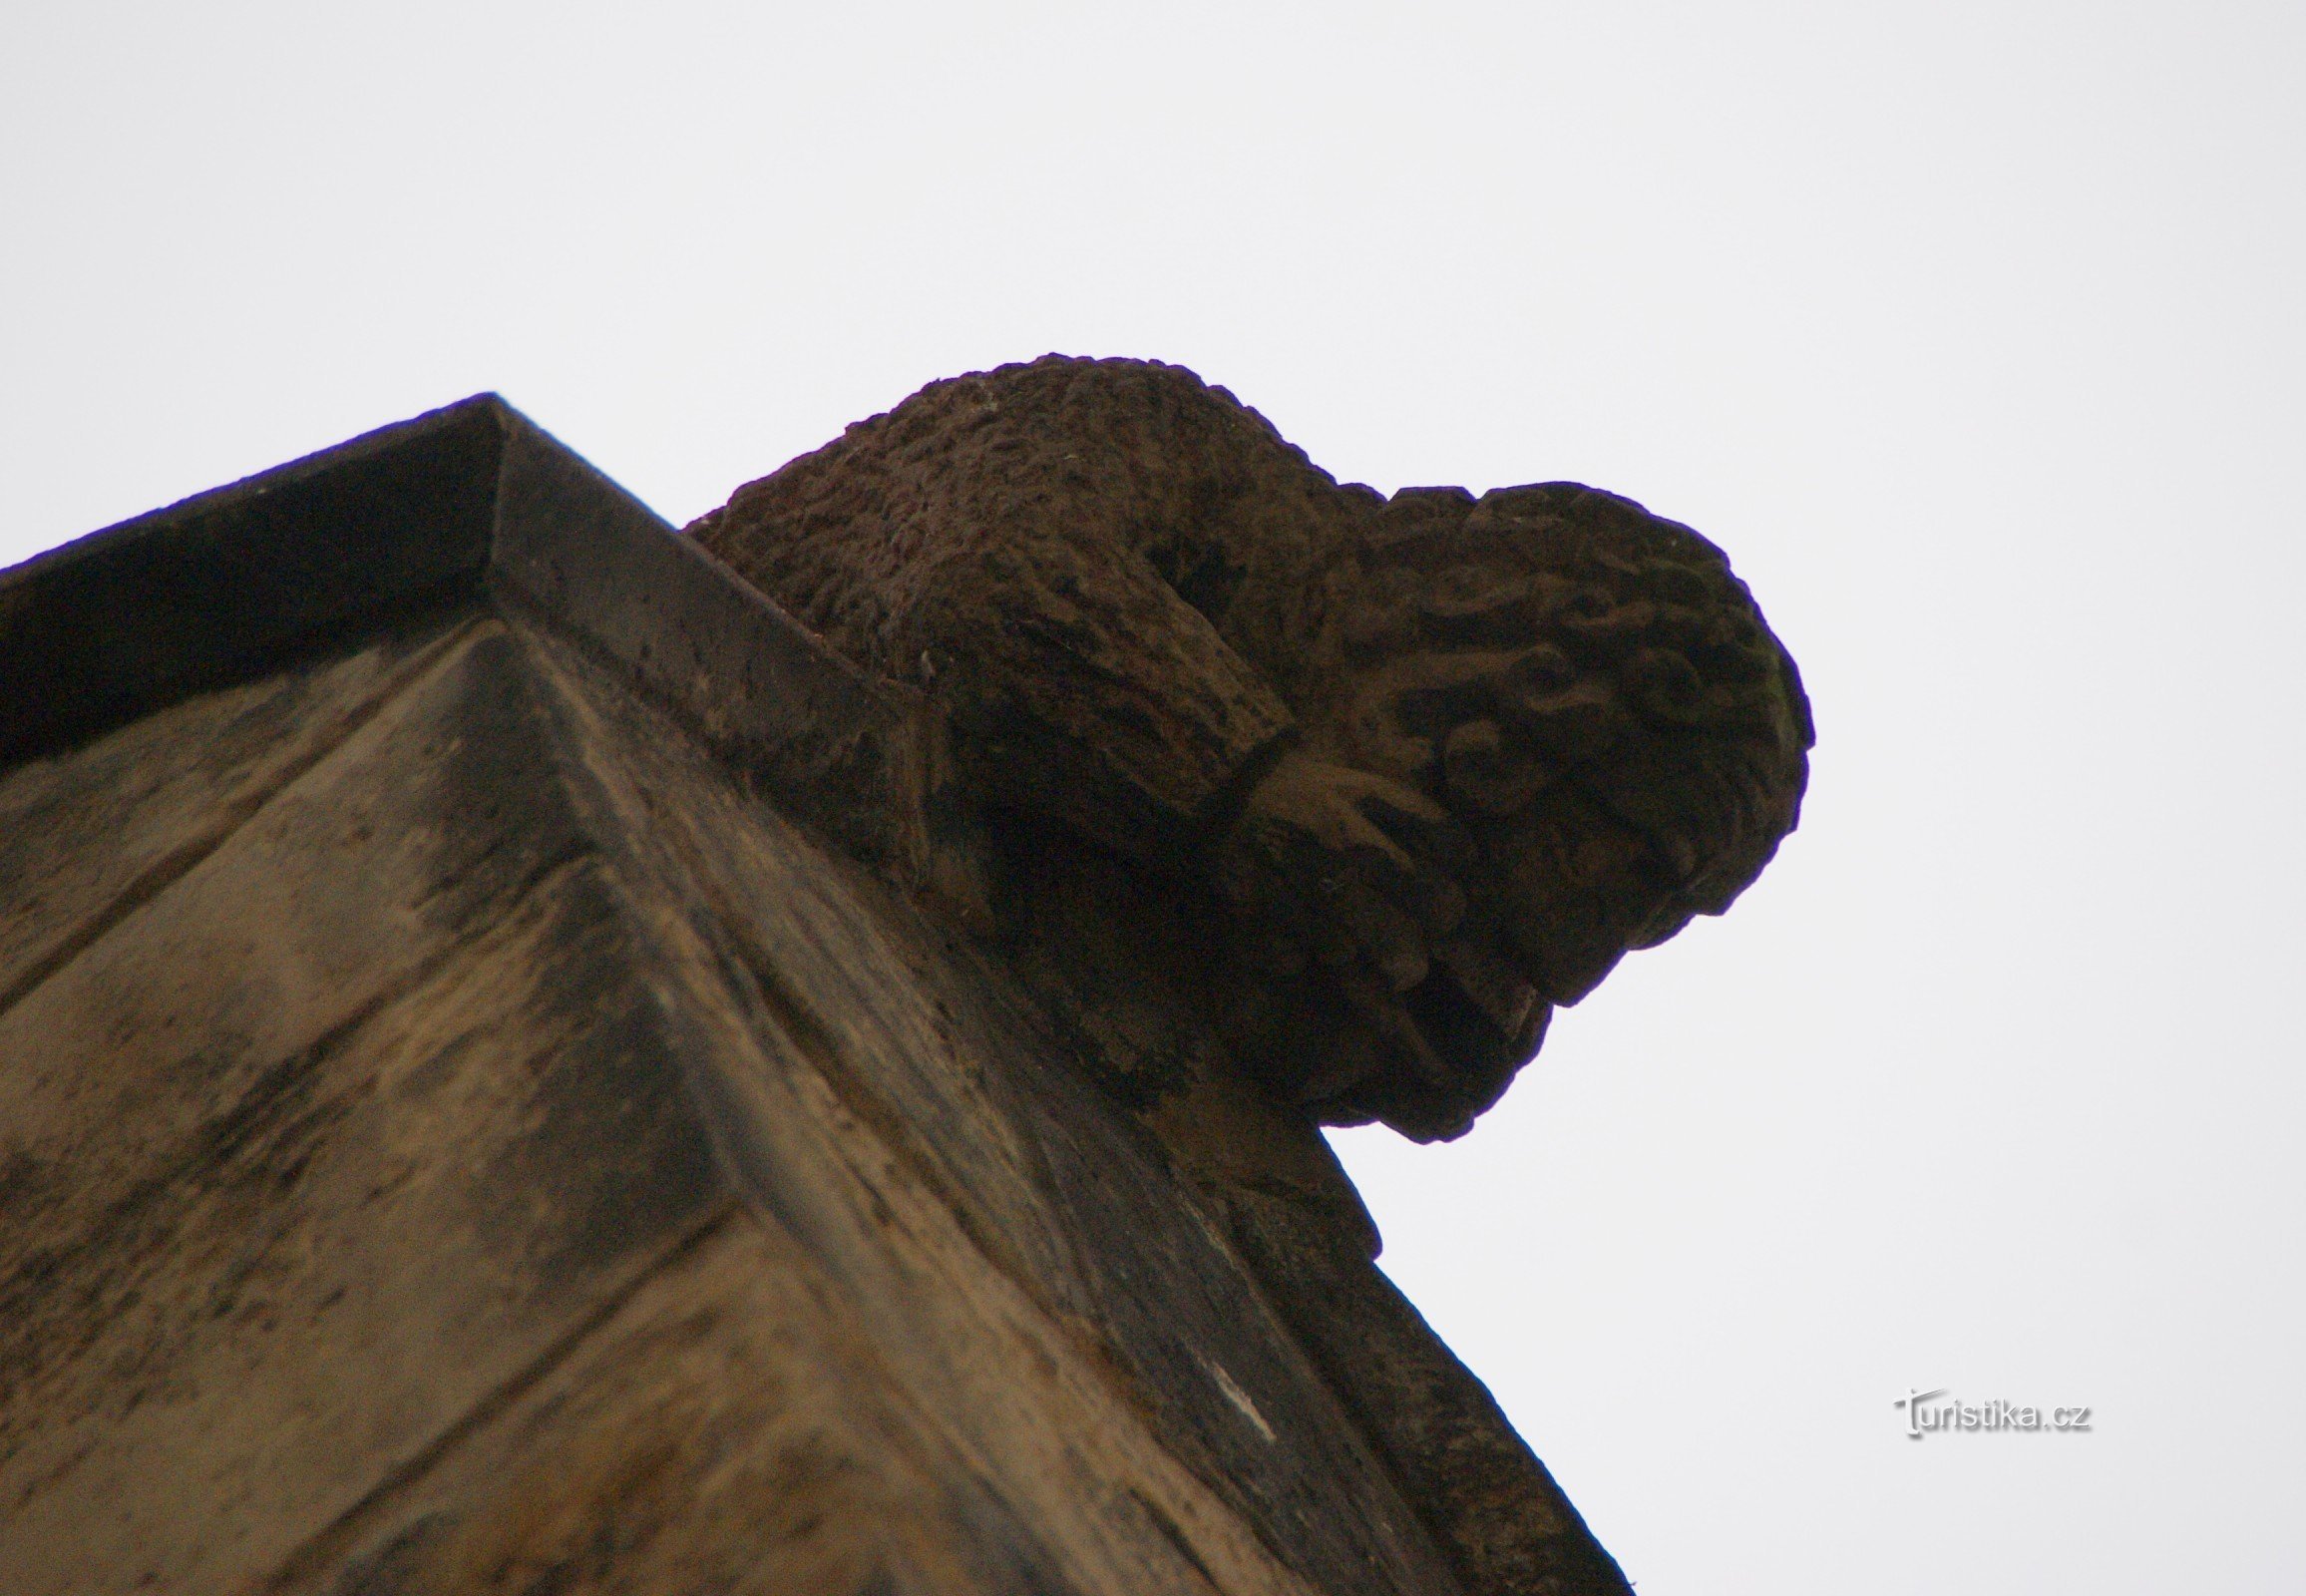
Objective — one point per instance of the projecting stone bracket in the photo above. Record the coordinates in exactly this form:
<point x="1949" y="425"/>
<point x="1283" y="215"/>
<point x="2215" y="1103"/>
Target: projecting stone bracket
<point x="456" y="1133"/>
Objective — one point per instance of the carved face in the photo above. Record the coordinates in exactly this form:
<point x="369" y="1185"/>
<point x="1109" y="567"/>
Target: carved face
<point x="1596" y="700"/>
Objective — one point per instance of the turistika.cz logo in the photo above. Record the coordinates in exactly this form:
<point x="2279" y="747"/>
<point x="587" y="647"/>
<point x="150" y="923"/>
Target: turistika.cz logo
<point x="1928" y="1414"/>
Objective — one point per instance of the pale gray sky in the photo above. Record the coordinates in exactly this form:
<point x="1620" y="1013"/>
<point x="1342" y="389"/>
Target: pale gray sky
<point x="1973" y="332"/>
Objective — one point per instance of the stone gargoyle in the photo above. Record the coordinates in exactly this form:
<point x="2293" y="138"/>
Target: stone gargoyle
<point x="1431" y="764"/>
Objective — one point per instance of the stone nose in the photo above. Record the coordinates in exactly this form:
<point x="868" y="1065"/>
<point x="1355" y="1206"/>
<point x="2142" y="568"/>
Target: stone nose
<point x="1579" y="883"/>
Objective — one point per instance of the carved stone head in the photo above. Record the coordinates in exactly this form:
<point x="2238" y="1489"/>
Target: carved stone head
<point x="1597" y="703"/>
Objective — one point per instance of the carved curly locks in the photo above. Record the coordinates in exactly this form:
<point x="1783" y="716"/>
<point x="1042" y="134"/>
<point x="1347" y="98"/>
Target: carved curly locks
<point x="1438" y="761"/>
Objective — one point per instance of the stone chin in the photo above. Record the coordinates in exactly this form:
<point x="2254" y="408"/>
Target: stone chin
<point x="1597" y="703"/>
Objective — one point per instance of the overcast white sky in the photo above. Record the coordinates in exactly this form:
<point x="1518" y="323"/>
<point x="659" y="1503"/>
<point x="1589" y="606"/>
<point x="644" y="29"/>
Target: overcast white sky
<point x="1972" y="331"/>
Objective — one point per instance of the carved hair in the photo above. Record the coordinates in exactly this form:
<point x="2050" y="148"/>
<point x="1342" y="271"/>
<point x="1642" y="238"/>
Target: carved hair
<point x="1596" y="699"/>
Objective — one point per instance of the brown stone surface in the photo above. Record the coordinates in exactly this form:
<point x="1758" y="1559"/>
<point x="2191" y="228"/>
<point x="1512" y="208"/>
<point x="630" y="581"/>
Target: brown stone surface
<point x="400" y="1110"/>
<point x="1435" y="762"/>
<point x="556" y="1080"/>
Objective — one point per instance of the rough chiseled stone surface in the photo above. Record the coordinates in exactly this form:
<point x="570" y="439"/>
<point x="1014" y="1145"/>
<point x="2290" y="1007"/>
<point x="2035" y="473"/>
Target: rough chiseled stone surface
<point x="524" y="1070"/>
<point x="1437" y="761"/>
